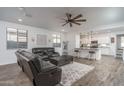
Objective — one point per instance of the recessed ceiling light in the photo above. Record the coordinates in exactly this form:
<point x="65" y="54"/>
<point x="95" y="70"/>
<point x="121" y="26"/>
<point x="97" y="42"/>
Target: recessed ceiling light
<point x="20" y="20"/>
<point x="21" y="8"/>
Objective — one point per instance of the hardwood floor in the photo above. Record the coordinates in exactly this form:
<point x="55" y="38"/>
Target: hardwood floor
<point x="108" y="71"/>
<point x="12" y="75"/>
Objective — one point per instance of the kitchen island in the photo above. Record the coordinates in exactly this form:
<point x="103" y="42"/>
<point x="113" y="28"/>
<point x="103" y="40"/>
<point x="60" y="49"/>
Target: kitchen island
<point x="84" y="53"/>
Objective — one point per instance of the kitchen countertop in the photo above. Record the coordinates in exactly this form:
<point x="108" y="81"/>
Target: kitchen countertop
<point x="88" y="48"/>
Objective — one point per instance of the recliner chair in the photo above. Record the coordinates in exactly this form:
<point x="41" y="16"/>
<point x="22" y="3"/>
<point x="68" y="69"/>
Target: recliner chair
<point x="40" y="72"/>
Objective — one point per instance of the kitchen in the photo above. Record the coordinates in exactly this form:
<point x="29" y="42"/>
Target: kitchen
<point x="104" y="43"/>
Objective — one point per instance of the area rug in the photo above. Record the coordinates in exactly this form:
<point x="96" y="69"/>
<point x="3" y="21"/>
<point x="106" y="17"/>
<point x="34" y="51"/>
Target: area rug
<point x="73" y="72"/>
<point x="12" y="75"/>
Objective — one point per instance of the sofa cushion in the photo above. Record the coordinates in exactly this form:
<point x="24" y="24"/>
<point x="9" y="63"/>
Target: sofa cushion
<point x="50" y="53"/>
<point x="28" y="55"/>
<point x="41" y="53"/>
<point x="50" y="50"/>
<point x="45" y="52"/>
<point x="46" y="65"/>
<point x="55" y="54"/>
<point x="35" y="51"/>
<point x="42" y="65"/>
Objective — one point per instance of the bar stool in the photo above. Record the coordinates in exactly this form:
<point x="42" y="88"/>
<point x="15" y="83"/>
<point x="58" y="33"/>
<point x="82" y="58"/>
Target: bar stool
<point x="77" y="52"/>
<point x="91" y="54"/>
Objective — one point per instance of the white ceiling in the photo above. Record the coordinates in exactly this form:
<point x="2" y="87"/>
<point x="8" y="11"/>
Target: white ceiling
<point x="50" y="17"/>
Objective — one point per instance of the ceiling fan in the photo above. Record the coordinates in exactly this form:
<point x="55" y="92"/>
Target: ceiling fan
<point x="75" y="20"/>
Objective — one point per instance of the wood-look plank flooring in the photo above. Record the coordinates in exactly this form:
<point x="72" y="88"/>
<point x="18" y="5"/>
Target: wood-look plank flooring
<point x="108" y="72"/>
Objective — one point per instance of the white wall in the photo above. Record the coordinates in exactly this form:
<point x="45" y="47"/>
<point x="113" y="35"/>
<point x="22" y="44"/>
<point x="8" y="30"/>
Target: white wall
<point x="8" y="56"/>
<point x="77" y="39"/>
<point x="71" y="38"/>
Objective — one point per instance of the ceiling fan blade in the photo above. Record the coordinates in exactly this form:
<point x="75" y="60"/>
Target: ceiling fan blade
<point x="70" y="24"/>
<point x="68" y="16"/>
<point x="65" y="24"/>
<point x="76" y="23"/>
<point x="78" y="16"/>
<point x="81" y="20"/>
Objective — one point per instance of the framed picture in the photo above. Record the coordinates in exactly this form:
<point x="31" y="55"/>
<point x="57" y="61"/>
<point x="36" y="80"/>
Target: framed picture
<point x="41" y="39"/>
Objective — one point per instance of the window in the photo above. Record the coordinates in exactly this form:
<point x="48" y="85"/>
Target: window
<point x="122" y="41"/>
<point x="56" y="40"/>
<point x="16" y="38"/>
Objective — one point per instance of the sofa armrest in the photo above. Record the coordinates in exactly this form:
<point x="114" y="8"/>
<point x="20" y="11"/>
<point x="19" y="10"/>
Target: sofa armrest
<point x="55" y="54"/>
<point x="49" y="78"/>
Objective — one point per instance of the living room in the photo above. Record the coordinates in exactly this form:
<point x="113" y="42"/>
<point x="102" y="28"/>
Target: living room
<point x="44" y="46"/>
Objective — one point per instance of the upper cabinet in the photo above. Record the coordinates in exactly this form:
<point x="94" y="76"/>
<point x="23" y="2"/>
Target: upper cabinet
<point x="100" y="38"/>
